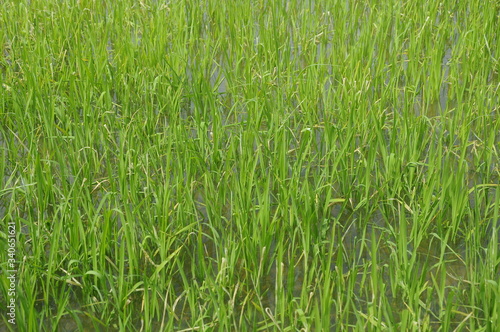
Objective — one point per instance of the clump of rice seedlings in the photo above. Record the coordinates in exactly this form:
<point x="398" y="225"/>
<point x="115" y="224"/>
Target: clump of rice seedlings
<point x="268" y="166"/>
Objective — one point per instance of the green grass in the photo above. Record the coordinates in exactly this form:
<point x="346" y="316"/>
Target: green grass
<point x="251" y="165"/>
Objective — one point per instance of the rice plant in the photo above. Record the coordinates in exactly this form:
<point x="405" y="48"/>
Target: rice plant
<point x="249" y="165"/>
